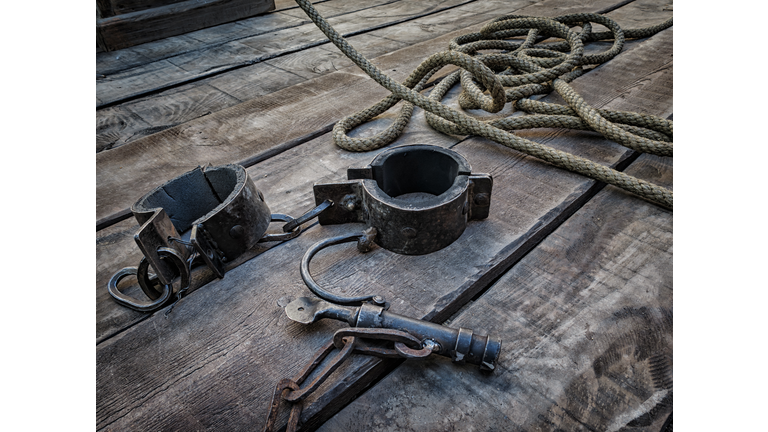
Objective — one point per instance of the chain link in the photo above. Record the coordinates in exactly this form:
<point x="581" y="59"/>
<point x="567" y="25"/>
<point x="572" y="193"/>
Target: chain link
<point x="349" y="340"/>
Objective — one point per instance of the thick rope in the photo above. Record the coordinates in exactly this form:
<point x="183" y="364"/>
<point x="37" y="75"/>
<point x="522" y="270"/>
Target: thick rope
<point x="526" y="68"/>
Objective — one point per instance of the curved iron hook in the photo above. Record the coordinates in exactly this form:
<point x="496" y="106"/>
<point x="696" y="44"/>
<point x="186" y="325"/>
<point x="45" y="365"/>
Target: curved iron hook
<point x="364" y="240"/>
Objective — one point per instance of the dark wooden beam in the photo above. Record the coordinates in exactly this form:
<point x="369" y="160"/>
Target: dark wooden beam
<point x="138" y="27"/>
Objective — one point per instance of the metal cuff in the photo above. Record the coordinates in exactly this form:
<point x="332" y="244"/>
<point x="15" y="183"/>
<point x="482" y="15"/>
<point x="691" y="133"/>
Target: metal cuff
<point x="443" y="196"/>
<point x="224" y="209"/>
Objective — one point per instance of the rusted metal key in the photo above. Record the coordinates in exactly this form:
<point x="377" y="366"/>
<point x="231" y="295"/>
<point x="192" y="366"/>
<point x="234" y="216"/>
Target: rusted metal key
<point x="460" y="345"/>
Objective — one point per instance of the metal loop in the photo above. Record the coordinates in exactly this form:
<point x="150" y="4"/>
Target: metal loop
<point x="411" y="353"/>
<point x="147" y="285"/>
<point x="320" y="292"/>
<point x="404" y="339"/>
<point x="131" y="303"/>
<point x="279" y="217"/>
<point x="290" y="226"/>
<point x="277" y="397"/>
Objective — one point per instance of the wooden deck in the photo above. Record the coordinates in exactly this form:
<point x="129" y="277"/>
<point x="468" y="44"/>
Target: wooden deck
<point x="573" y="276"/>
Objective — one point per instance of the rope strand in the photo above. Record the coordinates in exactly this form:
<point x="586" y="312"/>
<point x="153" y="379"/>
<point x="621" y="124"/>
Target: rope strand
<point x="529" y="68"/>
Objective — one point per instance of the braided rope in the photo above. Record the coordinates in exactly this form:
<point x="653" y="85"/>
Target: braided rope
<point x="528" y="67"/>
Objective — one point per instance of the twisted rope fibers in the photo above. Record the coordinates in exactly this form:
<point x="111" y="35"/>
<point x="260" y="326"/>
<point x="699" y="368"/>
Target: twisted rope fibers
<point x="529" y="67"/>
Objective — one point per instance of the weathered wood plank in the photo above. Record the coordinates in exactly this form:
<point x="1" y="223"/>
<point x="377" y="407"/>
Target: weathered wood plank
<point x="216" y="357"/>
<point x="128" y="122"/>
<point x="291" y="4"/>
<point x="102" y="277"/>
<point x="113" y="89"/>
<point x="586" y="324"/>
<point x="112" y="62"/>
<point x="252" y="81"/>
<point x="147" y="117"/>
<point x="316" y="61"/>
<point x="126" y="6"/>
<point x="116" y="126"/>
<point x="152" y="150"/>
<point x="255" y="26"/>
<point x="335" y="8"/>
<point x="142" y="26"/>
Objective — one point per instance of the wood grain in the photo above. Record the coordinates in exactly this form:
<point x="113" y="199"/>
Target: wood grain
<point x="243" y="123"/>
<point x="133" y="28"/>
<point x="126" y="6"/>
<point x="258" y="79"/>
<point x="115" y="61"/>
<point x="426" y="134"/>
<point x="586" y="324"/>
<point x="263" y="46"/>
<point x="212" y="363"/>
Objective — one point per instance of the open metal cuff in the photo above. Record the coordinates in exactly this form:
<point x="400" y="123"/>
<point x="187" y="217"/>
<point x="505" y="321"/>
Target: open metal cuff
<point x="418" y="197"/>
<point x="224" y="209"/>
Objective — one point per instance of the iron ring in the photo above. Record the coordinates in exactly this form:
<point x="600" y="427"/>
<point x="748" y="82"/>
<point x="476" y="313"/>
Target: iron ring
<point x="148" y="285"/>
<point x="129" y="302"/>
<point x="279" y="217"/>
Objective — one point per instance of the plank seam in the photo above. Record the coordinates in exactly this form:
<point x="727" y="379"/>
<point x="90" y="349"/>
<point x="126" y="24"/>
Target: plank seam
<point x="296" y="7"/>
<point x="390" y="365"/>
<point x="124" y="214"/>
<point x="261" y="59"/>
<point x="117" y="69"/>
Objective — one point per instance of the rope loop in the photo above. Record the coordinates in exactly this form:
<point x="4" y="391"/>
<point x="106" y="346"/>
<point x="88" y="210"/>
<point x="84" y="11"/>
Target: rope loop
<point x="517" y="70"/>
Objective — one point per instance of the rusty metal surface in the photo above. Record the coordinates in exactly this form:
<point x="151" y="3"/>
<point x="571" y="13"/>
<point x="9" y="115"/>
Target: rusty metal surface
<point x="347" y="341"/>
<point x="418" y="197"/>
<point x="221" y="205"/>
<point x="461" y="345"/>
<point x="219" y="210"/>
<point x="363" y="239"/>
<point x="155" y="234"/>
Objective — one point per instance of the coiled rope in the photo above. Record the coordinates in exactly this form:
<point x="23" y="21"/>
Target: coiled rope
<point x="528" y="67"/>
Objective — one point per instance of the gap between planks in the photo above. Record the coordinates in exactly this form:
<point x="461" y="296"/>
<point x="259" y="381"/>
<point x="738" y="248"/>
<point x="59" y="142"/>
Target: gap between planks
<point x="486" y="148"/>
<point x="128" y="122"/>
<point x="261" y="58"/>
<point x="122" y="215"/>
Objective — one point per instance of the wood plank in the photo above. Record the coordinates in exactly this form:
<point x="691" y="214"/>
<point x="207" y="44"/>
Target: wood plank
<point x="110" y="62"/>
<point x="142" y="26"/>
<point x="290" y="4"/>
<point x="118" y="125"/>
<point x="104" y="277"/>
<point x="255" y="26"/>
<point x="256" y="80"/>
<point x="335" y="8"/>
<point x="218" y="354"/>
<point x="317" y="61"/>
<point x="108" y="86"/>
<point x="126" y="6"/>
<point x="238" y="127"/>
<point x="263" y="46"/>
<point x="586" y="324"/>
<point x="116" y="61"/>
